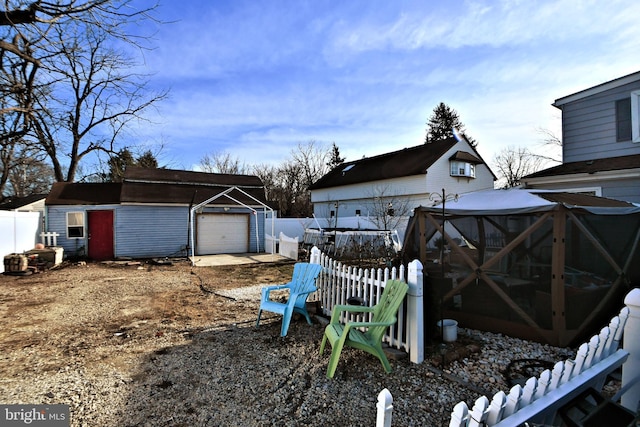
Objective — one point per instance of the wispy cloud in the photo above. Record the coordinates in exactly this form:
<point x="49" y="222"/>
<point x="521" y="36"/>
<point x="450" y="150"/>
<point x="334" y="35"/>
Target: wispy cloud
<point x="247" y="75"/>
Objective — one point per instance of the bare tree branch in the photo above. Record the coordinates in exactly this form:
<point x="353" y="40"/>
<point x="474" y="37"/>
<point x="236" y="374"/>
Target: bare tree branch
<point x="513" y="163"/>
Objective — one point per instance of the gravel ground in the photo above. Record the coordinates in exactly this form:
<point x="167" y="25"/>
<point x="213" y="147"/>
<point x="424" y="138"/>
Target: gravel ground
<point x="146" y="346"/>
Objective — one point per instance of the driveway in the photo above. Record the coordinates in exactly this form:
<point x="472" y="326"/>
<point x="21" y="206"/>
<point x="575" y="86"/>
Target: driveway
<point x="235" y="259"/>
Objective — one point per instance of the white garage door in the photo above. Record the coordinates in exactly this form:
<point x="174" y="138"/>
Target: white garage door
<point x="222" y="234"/>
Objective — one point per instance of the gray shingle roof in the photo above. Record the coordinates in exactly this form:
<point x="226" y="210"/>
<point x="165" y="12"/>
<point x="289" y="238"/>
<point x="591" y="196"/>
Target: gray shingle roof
<point x="406" y="162"/>
<point x="162" y="186"/>
<point x="590" y="166"/>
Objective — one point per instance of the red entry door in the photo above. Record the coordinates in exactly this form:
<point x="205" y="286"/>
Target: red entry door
<point x="100" y="234"/>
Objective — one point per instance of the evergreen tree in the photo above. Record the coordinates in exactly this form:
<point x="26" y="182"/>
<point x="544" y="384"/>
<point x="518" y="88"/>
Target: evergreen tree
<point x="119" y="162"/>
<point x="335" y="159"/>
<point x="147" y="160"/>
<point x="442" y="122"/>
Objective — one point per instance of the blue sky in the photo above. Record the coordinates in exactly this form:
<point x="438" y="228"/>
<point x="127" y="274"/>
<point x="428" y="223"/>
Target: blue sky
<point x="256" y="78"/>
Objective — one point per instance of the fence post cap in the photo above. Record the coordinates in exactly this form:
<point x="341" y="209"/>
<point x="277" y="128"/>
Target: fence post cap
<point x="384" y="397"/>
<point x="633" y="298"/>
<point x="415" y="265"/>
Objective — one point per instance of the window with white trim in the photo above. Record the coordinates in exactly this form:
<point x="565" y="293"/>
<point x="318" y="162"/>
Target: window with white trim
<point x="75" y="225"/>
<point x="465" y="169"/>
<point x="628" y="118"/>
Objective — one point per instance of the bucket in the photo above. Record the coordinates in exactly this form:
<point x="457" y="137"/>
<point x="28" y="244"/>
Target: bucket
<point x="450" y="330"/>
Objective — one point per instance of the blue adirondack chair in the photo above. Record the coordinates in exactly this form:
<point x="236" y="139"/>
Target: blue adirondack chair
<point x="303" y="283"/>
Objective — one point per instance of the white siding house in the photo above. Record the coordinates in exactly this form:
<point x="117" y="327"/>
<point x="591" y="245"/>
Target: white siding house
<point x="394" y="183"/>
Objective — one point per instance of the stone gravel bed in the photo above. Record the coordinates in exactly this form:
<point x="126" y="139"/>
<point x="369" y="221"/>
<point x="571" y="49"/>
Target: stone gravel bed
<point x="242" y="375"/>
<point x="147" y="347"/>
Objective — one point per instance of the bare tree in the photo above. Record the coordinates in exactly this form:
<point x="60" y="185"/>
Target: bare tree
<point x="552" y="142"/>
<point x="313" y="158"/>
<point x="66" y="88"/>
<point x="287" y="184"/>
<point x="222" y="162"/>
<point x="17" y="75"/>
<point x="29" y="175"/>
<point x="268" y="174"/>
<point x="289" y="191"/>
<point x="513" y="163"/>
<point x="96" y="96"/>
<point x="387" y="209"/>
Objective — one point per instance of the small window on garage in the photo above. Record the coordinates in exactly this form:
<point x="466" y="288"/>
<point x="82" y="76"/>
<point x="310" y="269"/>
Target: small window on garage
<point x="75" y="225"/>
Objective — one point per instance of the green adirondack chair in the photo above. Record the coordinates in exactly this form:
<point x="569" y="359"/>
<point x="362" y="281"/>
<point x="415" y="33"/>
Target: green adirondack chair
<point x="384" y="315"/>
<point x="303" y="283"/>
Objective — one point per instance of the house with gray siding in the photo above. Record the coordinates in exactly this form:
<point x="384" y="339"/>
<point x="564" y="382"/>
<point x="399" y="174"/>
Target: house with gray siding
<point x="600" y="142"/>
<point x="159" y="213"/>
<point x="394" y="183"/>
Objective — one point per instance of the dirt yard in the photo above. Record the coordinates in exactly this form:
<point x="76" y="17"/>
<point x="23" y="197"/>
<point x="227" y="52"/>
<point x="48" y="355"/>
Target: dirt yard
<point x="168" y="345"/>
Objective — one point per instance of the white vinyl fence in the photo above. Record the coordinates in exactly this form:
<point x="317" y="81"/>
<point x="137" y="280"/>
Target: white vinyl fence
<point x="284" y="245"/>
<point x="18" y="231"/>
<point x="338" y="283"/>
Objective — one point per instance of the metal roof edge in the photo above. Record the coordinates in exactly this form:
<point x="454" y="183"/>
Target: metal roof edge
<point x="611" y="84"/>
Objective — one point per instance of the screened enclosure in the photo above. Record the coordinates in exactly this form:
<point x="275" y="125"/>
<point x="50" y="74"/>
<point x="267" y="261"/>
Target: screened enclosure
<point x="541" y="265"/>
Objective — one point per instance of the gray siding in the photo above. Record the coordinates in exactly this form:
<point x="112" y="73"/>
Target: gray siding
<point x="57" y="222"/>
<point x="143" y="231"/>
<point x="589" y="127"/>
<point x="151" y="231"/>
<point x="628" y="190"/>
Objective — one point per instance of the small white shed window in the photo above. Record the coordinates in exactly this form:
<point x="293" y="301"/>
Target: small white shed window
<point x="465" y="169"/>
<point x="75" y="225"/>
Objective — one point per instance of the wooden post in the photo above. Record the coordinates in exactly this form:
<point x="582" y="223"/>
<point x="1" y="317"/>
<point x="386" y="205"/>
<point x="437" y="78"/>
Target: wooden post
<point x="422" y="235"/>
<point x="415" y="312"/>
<point x="631" y="369"/>
<point x="557" y="277"/>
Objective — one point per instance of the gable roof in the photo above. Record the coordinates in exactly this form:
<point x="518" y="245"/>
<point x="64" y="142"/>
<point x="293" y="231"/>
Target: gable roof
<point x="612" y="84"/>
<point x="139" y="174"/>
<point x="405" y="162"/>
<point x="17" y="202"/>
<point x="590" y="166"/>
<point x="142" y="185"/>
<point x="159" y="186"/>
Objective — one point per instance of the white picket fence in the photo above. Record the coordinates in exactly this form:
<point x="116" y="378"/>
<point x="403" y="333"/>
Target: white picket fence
<point x="541" y="397"/>
<point x="538" y="402"/>
<point x="339" y="282"/>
